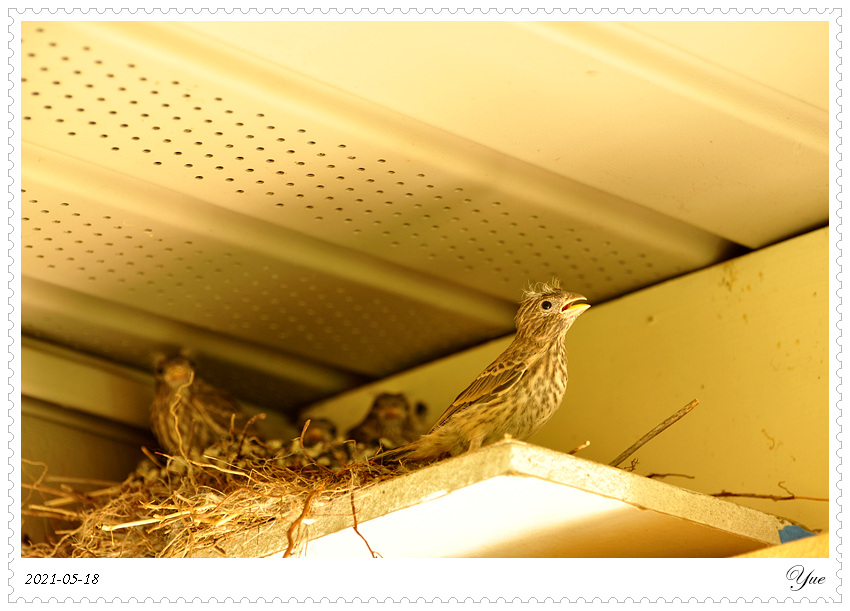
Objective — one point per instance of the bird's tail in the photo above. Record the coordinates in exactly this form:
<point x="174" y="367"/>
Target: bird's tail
<point x="421" y="450"/>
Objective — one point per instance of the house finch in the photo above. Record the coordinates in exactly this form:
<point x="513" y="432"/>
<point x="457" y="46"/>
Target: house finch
<point x="187" y="414"/>
<point x="391" y="422"/>
<point x="518" y="392"/>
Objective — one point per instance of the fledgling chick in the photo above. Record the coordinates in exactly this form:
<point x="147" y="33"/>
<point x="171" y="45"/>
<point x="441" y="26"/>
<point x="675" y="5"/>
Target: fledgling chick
<point x="188" y="415"/>
<point x="518" y="392"/>
<point x="390" y="423"/>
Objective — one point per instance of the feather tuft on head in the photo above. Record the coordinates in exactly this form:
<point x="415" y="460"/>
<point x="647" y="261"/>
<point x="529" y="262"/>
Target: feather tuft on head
<point x="541" y="288"/>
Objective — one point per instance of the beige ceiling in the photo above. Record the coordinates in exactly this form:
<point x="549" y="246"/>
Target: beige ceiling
<point x="307" y="206"/>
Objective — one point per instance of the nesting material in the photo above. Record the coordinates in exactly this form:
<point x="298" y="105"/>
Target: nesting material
<point x="246" y="497"/>
<point x="176" y="507"/>
<point x="217" y="486"/>
<point x="507" y="499"/>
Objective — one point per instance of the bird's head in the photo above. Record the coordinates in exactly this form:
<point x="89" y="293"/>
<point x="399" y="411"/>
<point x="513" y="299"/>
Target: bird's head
<point x="388" y="406"/>
<point x="175" y="372"/>
<point x="548" y="311"/>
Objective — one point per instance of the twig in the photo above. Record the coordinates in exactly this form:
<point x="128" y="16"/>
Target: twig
<point x="53" y="511"/>
<point x="658" y="429"/>
<point x="359" y="534"/>
<point x="579" y="447"/>
<point x="310" y="458"/>
<point x="39" y="479"/>
<point x="152" y="458"/>
<point x="773" y="497"/>
<point x="172" y="409"/>
<point x="109" y="528"/>
<point x="156" y="518"/>
<point x="66" y="498"/>
<point x="781" y="485"/>
<point x="250" y="422"/>
<point x="659" y="475"/>
<point x="217" y="468"/>
<point x="59" y="479"/>
<point x="307" y="502"/>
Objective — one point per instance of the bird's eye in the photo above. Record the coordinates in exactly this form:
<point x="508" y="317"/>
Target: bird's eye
<point x="546" y="305"/>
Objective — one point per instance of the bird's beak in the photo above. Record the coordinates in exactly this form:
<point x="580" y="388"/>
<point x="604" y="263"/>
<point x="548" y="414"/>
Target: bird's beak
<point x="391" y="413"/>
<point x="573" y="307"/>
<point x="178" y="375"/>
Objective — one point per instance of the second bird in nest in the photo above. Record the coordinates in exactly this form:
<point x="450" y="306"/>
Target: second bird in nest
<point x="188" y="415"/>
<point x="390" y="423"/>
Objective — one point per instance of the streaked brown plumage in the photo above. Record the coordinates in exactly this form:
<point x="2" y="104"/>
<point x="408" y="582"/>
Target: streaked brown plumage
<point x="391" y="422"/>
<point x="518" y="392"/>
<point x="188" y="415"/>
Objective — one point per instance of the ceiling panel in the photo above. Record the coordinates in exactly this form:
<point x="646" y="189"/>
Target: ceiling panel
<point x="717" y="132"/>
<point x="791" y="57"/>
<point x="131" y="256"/>
<point x="327" y="203"/>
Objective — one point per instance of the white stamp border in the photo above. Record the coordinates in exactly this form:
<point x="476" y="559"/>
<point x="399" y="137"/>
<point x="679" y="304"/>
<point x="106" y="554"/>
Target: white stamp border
<point x="510" y="580"/>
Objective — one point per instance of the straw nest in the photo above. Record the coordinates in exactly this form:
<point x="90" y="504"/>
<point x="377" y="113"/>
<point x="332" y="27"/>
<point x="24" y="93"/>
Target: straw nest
<point x="215" y="504"/>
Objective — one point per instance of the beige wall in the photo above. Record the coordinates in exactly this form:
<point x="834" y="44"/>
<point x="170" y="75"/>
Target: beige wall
<point x="748" y="338"/>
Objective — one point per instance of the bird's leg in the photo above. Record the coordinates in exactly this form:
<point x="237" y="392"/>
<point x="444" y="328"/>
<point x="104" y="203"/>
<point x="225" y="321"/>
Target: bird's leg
<point x="475" y="442"/>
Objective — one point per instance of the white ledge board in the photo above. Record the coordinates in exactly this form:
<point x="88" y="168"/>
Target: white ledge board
<point x="513" y="499"/>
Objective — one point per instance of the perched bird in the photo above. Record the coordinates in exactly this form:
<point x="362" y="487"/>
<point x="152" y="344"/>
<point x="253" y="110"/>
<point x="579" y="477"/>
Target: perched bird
<point x="390" y="423"/>
<point x="188" y="415"/>
<point x="518" y="392"/>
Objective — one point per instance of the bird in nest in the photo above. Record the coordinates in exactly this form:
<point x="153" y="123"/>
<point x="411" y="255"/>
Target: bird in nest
<point x="188" y="414"/>
<point x="391" y="422"/>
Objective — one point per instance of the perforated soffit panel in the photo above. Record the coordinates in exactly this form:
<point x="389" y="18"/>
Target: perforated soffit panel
<point x="310" y="206"/>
